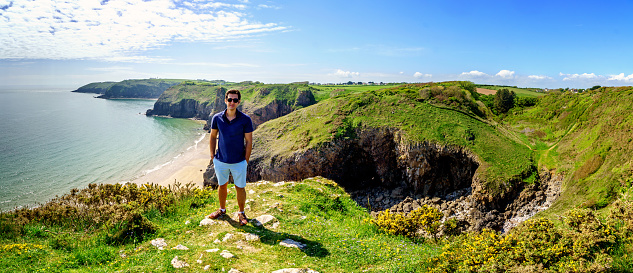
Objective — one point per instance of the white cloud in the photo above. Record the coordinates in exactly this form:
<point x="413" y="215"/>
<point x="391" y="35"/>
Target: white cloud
<point x="539" y="77"/>
<point x="506" y="74"/>
<point x="474" y="74"/>
<point x="621" y="77"/>
<point x="583" y="76"/>
<point x="420" y="75"/>
<point x="346" y="74"/>
<point x="116" y="29"/>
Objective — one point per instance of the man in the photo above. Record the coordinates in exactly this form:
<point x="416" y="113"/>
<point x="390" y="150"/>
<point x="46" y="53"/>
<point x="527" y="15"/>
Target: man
<point x="234" y="130"/>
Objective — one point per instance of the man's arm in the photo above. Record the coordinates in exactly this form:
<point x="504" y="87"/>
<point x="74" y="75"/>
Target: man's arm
<point x="213" y="140"/>
<point x="249" y="145"/>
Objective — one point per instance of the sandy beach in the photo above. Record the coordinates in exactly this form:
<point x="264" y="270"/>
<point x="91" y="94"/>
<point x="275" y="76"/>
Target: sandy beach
<point x="188" y="167"/>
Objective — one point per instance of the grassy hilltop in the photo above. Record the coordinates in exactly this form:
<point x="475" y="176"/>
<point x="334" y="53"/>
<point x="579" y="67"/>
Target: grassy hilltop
<point x="444" y="113"/>
<point x="587" y="137"/>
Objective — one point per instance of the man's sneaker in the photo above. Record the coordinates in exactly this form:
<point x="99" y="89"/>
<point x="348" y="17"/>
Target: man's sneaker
<point x="243" y="219"/>
<point x="216" y="214"/>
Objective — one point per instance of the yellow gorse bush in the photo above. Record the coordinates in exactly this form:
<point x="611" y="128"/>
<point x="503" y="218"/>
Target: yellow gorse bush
<point x="537" y="245"/>
<point x="425" y="218"/>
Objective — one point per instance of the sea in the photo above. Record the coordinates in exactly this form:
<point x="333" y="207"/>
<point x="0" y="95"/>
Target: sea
<point x="53" y="140"/>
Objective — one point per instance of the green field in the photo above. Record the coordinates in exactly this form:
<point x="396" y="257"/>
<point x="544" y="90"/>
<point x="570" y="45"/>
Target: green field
<point x="521" y="92"/>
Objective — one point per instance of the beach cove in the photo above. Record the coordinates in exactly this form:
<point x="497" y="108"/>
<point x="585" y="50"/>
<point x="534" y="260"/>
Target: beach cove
<point x="53" y="141"/>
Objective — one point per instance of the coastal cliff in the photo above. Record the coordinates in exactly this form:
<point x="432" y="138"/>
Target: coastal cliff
<point x="95" y="87"/>
<point x="133" y="89"/>
<point x="262" y="102"/>
<point x="399" y="139"/>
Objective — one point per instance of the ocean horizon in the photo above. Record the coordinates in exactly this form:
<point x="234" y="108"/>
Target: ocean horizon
<point x="53" y="140"/>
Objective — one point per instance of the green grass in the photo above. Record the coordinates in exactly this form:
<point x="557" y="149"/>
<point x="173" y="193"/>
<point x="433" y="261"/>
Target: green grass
<point x="316" y="212"/>
<point x="327" y="91"/>
<point x="587" y="138"/>
<point x="402" y="108"/>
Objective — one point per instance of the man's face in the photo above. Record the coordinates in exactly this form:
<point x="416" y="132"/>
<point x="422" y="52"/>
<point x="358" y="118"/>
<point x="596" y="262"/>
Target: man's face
<point x="232" y="101"/>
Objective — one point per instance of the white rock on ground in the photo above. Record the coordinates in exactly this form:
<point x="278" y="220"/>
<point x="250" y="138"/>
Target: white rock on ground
<point x="178" y="263"/>
<point x="180" y="247"/>
<point x="207" y="222"/>
<point x="217" y="241"/>
<point x="226" y="254"/>
<point x="291" y="243"/>
<point x="206" y="267"/>
<point x="159" y="243"/>
<point x="233" y="270"/>
<point x="263" y="219"/>
<point x="295" y="270"/>
<point x="251" y="237"/>
<point x="227" y="237"/>
<point x="213" y="250"/>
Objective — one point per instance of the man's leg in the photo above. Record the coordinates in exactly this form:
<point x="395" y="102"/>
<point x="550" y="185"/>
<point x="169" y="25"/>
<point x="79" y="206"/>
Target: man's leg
<point x="239" y="178"/>
<point x="222" y="175"/>
<point x="222" y="193"/>
<point x="241" y="197"/>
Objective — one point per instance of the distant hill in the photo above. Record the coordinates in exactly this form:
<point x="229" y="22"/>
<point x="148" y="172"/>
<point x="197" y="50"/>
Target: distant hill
<point x="95" y="87"/>
<point x="136" y="89"/>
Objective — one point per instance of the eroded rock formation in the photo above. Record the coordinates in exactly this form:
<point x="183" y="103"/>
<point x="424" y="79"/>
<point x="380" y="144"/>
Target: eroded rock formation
<point x="382" y="171"/>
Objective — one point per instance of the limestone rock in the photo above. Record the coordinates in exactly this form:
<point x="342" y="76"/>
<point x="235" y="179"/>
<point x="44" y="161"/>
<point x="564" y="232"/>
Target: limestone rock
<point x="213" y="250"/>
<point x="180" y="247"/>
<point x="207" y="222"/>
<point x="227" y="237"/>
<point x="292" y="243"/>
<point x="176" y="263"/>
<point x="233" y="270"/>
<point x="226" y="254"/>
<point x="251" y="237"/>
<point x="159" y="243"/>
<point x="263" y="219"/>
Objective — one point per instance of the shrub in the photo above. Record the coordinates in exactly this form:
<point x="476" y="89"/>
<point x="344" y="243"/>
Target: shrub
<point x="131" y="230"/>
<point x="424" y="219"/>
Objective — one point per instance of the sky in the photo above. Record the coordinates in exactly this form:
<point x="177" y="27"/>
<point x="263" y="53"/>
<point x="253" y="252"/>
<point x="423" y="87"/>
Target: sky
<point x="546" y="44"/>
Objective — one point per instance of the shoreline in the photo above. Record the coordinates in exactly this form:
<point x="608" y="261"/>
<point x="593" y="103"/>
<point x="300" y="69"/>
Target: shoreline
<point x="187" y="167"/>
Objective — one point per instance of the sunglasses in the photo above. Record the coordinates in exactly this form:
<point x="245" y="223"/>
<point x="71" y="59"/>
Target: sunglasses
<point x="233" y="100"/>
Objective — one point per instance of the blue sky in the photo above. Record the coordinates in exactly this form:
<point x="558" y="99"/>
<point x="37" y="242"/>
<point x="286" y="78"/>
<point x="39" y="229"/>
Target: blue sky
<point x="576" y="44"/>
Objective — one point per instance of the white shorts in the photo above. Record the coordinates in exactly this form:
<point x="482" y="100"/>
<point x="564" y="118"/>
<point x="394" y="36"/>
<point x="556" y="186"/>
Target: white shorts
<point x="238" y="170"/>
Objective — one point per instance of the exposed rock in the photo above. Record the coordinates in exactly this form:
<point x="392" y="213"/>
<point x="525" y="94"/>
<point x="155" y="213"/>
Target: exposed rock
<point x="292" y="243"/>
<point x="213" y="250"/>
<point x="227" y="237"/>
<point x="251" y="237"/>
<point x="159" y="243"/>
<point x="263" y="219"/>
<point x="180" y="247"/>
<point x="226" y="254"/>
<point x="207" y="222"/>
<point x="176" y="263"/>
<point x="233" y="270"/>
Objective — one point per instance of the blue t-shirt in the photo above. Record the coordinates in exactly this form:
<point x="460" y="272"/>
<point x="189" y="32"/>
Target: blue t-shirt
<point x="231" y="148"/>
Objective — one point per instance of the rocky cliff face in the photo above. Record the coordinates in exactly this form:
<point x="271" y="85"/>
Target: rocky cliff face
<point x="259" y="112"/>
<point x="381" y="171"/>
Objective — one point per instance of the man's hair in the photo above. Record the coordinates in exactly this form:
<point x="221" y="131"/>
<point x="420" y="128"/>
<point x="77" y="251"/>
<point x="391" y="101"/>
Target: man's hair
<point x="233" y="91"/>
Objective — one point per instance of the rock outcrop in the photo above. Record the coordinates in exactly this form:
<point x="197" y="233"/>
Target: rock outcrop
<point x="381" y="171"/>
<point x="263" y="105"/>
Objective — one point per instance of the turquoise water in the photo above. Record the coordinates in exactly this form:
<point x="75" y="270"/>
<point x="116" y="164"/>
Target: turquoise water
<point x="53" y="140"/>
